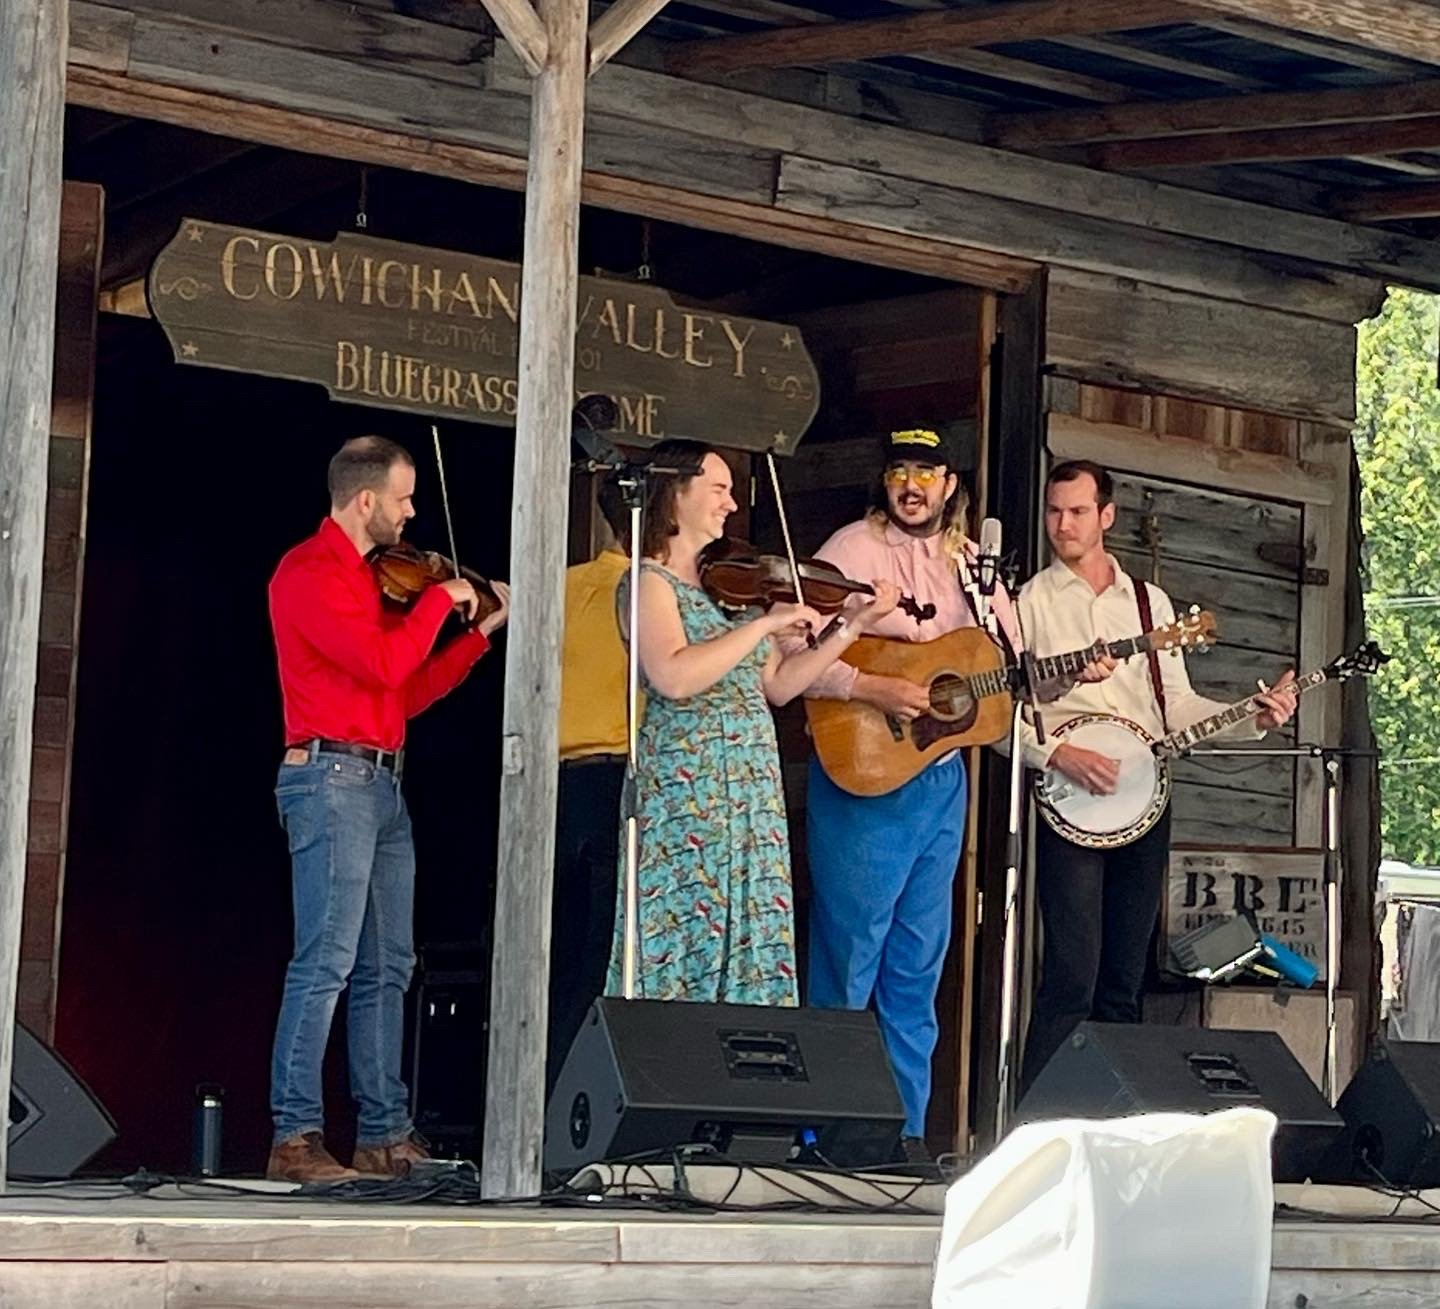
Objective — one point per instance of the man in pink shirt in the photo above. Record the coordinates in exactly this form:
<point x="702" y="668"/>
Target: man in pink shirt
<point x="882" y="866"/>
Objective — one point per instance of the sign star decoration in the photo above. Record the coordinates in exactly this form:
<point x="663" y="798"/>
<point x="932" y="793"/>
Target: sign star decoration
<point x="195" y="232"/>
<point x="189" y="350"/>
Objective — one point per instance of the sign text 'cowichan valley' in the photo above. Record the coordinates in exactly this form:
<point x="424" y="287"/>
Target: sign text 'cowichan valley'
<point x="434" y="332"/>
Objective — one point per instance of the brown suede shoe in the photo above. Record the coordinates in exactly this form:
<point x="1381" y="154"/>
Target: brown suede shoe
<point x="305" y="1159"/>
<point x="390" y="1160"/>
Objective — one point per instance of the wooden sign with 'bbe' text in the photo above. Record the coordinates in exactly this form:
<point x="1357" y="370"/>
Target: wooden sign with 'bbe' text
<point x="433" y="332"/>
<point x="1283" y="889"/>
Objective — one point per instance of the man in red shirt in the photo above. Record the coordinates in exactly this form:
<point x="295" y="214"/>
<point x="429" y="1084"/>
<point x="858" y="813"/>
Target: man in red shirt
<point x="351" y="674"/>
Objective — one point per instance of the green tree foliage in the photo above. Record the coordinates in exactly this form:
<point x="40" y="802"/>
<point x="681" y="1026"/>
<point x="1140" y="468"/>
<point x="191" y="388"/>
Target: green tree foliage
<point x="1397" y="439"/>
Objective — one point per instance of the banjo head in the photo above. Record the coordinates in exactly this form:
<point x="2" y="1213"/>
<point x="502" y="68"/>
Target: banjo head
<point x="1140" y="791"/>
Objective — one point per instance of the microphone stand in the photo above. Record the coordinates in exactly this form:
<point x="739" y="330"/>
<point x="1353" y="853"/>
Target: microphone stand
<point x="1023" y="695"/>
<point x="633" y="479"/>
<point x="1330" y="758"/>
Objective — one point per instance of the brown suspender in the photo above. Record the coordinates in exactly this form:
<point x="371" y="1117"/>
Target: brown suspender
<point x="1142" y="601"/>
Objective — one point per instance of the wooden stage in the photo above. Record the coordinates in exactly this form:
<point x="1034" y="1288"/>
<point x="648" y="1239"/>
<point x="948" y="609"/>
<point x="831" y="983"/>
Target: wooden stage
<point x="168" y="1251"/>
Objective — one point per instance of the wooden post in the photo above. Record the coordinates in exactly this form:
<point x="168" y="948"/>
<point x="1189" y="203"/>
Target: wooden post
<point x="515" y="1091"/>
<point x="32" y="106"/>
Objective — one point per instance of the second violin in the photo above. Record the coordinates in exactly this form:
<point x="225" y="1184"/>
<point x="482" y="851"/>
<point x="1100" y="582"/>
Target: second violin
<point x="738" y="576"/>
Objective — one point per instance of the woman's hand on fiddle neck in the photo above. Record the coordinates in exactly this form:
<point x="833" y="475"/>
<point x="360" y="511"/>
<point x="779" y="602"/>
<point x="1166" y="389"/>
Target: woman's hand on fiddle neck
<point x="863" y="612"/>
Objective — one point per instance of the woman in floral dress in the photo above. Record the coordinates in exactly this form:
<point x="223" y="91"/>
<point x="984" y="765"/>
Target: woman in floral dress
<point x="714" y="871"/>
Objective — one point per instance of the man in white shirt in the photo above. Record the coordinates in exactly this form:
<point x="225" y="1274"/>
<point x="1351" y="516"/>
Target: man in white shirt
<point x="1099" y="907"/>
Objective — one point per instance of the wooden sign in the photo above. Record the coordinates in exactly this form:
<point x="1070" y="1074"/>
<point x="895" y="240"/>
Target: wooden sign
<point x="1283" y="889"/>
<point x="434" y="332"/>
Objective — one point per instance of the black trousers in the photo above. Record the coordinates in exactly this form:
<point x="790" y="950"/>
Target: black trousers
<point x="582" y="912"/>
<point x="1099" y="909"/>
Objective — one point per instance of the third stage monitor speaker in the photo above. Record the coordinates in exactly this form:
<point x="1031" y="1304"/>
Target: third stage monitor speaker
<point x="1109" y="1070"/>
<point x="645" y="1076"/>
<point x="1392" y="1119"/>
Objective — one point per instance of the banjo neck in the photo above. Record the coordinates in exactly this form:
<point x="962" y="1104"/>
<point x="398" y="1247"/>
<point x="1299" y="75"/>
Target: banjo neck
<point x="1187" y="737"/>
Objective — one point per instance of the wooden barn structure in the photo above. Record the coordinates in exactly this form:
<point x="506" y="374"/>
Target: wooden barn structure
<point x="1140" y="232"/>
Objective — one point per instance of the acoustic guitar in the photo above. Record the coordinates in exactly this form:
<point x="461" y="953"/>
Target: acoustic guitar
<point x="868" y="752"/>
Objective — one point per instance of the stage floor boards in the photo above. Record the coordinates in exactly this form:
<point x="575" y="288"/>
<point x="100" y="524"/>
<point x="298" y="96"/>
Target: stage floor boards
<point x="152" y="1253"/>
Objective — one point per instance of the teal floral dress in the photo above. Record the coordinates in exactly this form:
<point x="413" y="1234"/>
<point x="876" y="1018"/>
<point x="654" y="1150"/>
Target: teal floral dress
<point x="716" y="922"/>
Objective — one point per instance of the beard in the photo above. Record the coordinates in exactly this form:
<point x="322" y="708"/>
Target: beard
<point x="383" y="530"/>
<point x="927" y="526"/>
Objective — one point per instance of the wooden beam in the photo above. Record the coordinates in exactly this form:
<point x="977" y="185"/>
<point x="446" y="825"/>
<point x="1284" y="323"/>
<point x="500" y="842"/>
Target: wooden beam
<point x="519" y="25"/>
<point x="32" y="115"/>
<point x="1233" y="113"/>
<point x="827" y="43"/>
<point x="617" y="25"/>
<point x="1385" y="204"/>
<point x="1409" y="28"/>
<point x="519" y="988"/>
<point x="1331" y="142"/>
<point x="294" y="130"/>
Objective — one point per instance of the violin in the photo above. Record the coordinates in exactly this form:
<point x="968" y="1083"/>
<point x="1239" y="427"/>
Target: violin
<point x="737" y="576"/>
<point x="404" y="571"/>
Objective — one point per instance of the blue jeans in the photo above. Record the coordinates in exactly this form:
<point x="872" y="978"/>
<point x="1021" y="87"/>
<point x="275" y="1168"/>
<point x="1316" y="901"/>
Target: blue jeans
<point x="353" y="880"/>
<point x="882" y="869"/>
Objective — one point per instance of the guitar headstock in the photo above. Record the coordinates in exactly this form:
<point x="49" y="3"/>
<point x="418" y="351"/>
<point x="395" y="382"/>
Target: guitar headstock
<point x="1363" y="661"/>
<point x="1192" y="630"/>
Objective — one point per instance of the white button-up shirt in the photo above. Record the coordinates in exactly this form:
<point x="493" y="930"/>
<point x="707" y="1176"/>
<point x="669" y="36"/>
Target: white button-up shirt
<point x="1059" y="612"/>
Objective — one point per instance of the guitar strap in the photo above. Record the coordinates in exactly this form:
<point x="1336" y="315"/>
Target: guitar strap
<point x="968" y="591"/>
<point x="1142" y="602"/>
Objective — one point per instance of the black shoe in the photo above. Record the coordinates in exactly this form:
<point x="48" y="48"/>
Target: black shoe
<point x="913" y="1151"/>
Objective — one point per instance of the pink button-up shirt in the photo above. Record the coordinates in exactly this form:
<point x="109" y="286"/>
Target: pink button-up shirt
<point x="867" y="551"/>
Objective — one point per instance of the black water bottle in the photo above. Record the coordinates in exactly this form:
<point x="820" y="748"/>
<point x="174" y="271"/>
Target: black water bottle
<point x="209" y="1121"/>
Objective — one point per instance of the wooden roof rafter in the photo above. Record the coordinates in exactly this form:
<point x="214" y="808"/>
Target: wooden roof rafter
<point x="1227" y="113"/>
<point x="1332" y="141"/>
<point x="923" y="32"/>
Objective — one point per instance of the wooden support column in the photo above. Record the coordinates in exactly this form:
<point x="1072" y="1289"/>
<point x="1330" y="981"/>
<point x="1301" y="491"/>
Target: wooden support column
<point x="81" y="222"/>
<point x="515" y="1091"/>
<point x="32" y="90"/>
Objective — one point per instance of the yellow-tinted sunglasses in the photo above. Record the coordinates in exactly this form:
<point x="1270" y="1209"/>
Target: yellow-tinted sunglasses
<point x="922" y="477"/>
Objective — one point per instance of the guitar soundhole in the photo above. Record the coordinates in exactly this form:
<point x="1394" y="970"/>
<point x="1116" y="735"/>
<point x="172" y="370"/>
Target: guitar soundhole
<point x="951" y="701"/>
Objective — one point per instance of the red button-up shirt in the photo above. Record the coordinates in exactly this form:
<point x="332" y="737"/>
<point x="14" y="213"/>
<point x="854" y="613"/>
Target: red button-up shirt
<point x="351" y="670"/>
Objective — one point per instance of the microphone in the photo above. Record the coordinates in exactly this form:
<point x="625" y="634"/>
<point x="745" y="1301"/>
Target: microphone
<point x="989" y="564"/>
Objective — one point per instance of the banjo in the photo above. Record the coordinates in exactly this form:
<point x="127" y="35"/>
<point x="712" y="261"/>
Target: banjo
<point x="1102" y="822"/>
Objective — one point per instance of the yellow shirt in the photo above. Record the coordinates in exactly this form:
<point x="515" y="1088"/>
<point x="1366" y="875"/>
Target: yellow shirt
<point x="593" y="672"/>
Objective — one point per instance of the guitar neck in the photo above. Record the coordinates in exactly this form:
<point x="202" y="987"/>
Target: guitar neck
<point x="1073" y="662"/>
<point x="1237" y="713"/>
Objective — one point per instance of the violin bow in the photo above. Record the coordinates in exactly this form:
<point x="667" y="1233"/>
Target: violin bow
<point x="785" y="532"/>
<point x="445" y="500"/>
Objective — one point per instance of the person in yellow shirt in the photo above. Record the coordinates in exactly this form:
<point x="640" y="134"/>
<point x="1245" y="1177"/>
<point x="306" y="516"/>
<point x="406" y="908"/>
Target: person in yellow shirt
<point x="592" y="774"/>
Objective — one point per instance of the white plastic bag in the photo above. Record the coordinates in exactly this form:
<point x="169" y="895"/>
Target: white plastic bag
<point x="1159" y="1211"/>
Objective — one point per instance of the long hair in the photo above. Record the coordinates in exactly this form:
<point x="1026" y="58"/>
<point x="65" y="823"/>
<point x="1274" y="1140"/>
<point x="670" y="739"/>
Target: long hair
<point x="660" y="522"/>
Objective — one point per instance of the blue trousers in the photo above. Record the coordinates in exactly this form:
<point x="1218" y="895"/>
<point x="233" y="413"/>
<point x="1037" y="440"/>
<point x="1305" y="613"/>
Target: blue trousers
<point x="353" y="882"/>
<point x="883" y="867"/>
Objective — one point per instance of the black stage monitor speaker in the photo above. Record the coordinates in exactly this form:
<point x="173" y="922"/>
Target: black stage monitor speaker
<point x="646" y="1076"/>
<point x="1110" y="1070"/>
<point x="1392" y="1119"/>
<point x="56" y="1124"/>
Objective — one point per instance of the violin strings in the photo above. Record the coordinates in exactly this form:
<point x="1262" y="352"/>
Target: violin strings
<point x="445" y="500"/>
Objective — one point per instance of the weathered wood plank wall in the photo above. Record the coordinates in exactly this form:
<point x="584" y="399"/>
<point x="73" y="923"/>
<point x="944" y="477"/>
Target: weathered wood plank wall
<point x="81" y="224"/>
